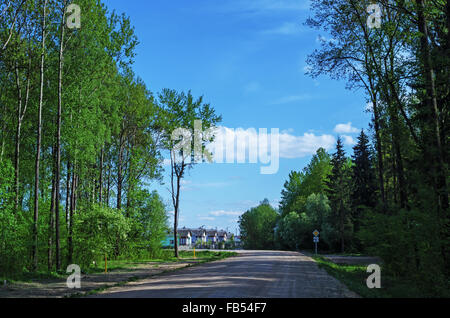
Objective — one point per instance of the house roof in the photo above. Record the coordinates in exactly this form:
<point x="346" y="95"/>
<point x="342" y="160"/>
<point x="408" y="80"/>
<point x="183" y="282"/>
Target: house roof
<point x="198" y="232"/>
<point x="211" y="232"/>
<point x="184" y="232"/>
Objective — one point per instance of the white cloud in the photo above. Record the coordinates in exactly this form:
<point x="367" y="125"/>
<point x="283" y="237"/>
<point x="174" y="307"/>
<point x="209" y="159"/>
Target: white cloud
<point x="242" y="140"/>
<point x="348" y="140"/>
<point x="346" y="129"/>
<point x="301" y="146"/>
<point x="225" y="213"/>
<point x="275" y="203"/>
<point x="206" y="218"/>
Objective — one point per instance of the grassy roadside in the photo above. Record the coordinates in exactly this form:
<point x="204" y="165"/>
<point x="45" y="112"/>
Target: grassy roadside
<point x="166" y="257"/>
<point x="200" y="258"/>
<point x="121" y="265"/>
<point x="355" y="276"/>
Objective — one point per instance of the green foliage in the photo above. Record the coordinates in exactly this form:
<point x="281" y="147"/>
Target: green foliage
<point x="408" y="245"/>
<point x="149" y="224"/>
<point x="294" y="231"/>
<point x="338" y="190"/>
<point x="394" y="213"/>
<point x="104" y="153"/>
<point x="302" y="184"/>
<point x="289" y="232"/>
<point x="12" y="230"/>
<point x="98" y="231"/>
<point x="257" y="227"/>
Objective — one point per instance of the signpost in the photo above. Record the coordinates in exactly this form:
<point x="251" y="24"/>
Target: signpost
<point x="316" y="239"/>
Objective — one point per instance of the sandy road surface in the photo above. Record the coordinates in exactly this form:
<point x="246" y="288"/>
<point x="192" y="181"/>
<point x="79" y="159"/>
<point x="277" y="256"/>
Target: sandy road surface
<point x="252" y="274"/>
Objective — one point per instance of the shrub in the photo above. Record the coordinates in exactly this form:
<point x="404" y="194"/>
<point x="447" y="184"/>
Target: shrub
<point x="98" y="231"/>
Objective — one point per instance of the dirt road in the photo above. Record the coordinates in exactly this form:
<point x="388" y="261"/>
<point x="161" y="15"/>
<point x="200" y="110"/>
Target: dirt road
<point x="252" y="274"/>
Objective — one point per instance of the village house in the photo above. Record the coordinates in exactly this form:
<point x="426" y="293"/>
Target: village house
<point x="198" y="236"/>
<point x="212" y="236"/>
<point x="185" y="237"/>
<point x="223" y="236"/>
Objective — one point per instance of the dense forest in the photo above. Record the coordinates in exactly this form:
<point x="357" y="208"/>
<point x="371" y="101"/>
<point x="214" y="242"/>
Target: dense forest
<point x="81" y="138"/>
<point x="390" y="197"/>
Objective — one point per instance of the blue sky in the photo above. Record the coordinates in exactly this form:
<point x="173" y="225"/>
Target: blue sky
<point x="247" y="58"/>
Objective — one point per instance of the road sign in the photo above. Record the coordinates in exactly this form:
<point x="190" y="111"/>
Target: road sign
<point x="316" y="240"/>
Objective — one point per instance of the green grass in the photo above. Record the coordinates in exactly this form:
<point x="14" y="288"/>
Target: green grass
<point x="121" y="264"/>
<point x="166" y="257"/>
<point x="355" y="276"/>
<point x="347" y="254"/>
<point x="27" y="277"/>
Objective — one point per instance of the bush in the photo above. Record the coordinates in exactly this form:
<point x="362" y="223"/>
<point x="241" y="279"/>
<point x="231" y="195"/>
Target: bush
<point x="257" y="227"/>
<point x="13" y="229"/>
<point x="408" y="244"/>
<point x="148" y="226"/>
<point x="98" y="231"/>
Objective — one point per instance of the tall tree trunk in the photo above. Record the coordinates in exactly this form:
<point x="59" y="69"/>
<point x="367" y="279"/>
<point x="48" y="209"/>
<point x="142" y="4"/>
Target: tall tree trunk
<point x="51" y="225"/>
<point x="119" y="172"/>
<point x="108" y="185"/>
<point x="71" y="214"/>
<point x="68" y="178"/>
<point x="58" y="138"/>
<point x="100" y="190"/>
<point x="38" y="144"/>
<point x="176" y="175"/>
<point x="94" y="184"/>
<point x="376" y="121"/>
<point x="52" y="213"/>
<point x="119" y="183"/>
<point x="18" y="128"/>
<point x="400" y="171"/>
<point x="20" y="115"/>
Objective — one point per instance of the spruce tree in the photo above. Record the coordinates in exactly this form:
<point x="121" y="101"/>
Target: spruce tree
<point x="338" y="191"/>
<point x="363" y="179"/>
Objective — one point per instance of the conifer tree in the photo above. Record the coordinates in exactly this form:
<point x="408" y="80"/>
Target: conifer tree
<point x="338" y="191"/>
<point x="363" y="179"/>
